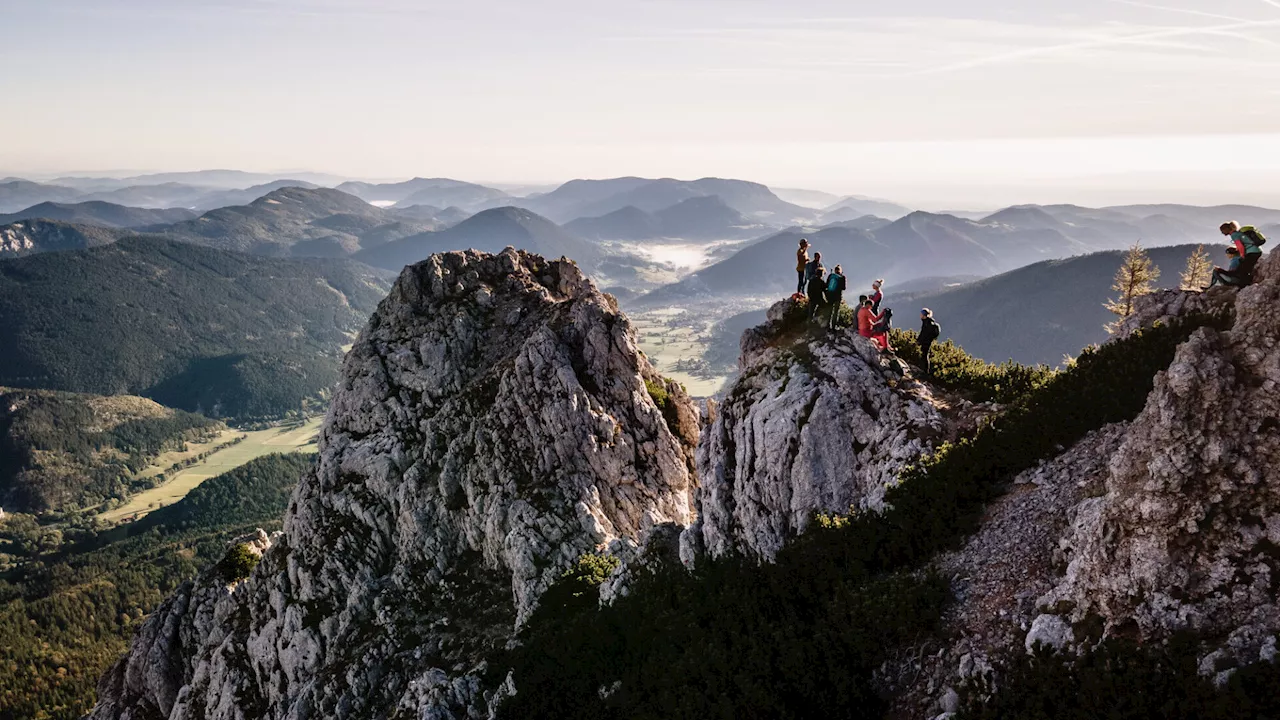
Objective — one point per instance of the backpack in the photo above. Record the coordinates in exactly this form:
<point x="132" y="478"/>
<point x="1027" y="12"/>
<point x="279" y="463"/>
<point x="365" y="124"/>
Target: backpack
<point x="1256" y="238"/>
<point x="835" y="283"/>
<point x="932" y="330"/>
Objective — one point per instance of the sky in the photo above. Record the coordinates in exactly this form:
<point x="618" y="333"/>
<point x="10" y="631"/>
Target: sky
<point x="927" y="101"/>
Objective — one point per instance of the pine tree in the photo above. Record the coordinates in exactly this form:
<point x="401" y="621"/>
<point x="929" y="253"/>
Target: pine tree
<point x="1199" y="270"/>
<point x="1136" y="277"/>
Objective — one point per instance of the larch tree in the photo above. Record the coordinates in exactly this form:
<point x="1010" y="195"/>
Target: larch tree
<point x="1136" y="277"/>
<point x="1198" y="272"/>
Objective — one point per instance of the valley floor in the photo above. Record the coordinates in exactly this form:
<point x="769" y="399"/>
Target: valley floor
<point x="256" y="443"/>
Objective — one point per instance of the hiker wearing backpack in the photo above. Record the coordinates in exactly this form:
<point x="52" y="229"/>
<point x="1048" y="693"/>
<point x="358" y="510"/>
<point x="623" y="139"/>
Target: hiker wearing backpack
<point x="835" y="294"/>
<point x="802" y="259"/>
<point x="929" y="332"/>
<point x="817" y="289"/>
<point x="876" y="296"/>
<point x="1249" y="243"/>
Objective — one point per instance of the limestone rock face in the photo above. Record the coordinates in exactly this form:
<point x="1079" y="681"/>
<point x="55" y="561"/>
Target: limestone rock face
<point x="1186" y="533"/>
<point x="811" y="424"/>
<point x="492" y="424"/>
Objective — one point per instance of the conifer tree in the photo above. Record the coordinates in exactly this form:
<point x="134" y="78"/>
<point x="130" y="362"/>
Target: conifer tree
<point x="1136" y="277"/>
<point x="1198" y="272"/>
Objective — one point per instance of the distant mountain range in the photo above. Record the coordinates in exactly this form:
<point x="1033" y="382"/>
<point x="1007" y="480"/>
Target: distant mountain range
<point x="697" y="218"/>
<point x="316" y="222"/>
<point x="595" y="198"/>
<point x="192" y="327"/>
<point x="102" y="214"/>
<point x="29" y="237"/>
<point x="490" y="231"/>
<point x="1037" y="313"/>
<point x="854" y="206"/>
<point x="927" y="244"/>
<point x="441" y="192"/>
<point x="18" y="194"/>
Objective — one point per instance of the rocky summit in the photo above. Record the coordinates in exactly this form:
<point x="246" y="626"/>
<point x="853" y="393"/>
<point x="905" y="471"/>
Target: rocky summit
<point x="495" y="421"/>
<point x="814" y="423"/>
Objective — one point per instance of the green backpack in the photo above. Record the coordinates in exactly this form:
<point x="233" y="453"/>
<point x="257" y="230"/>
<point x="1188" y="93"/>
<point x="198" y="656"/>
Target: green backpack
<point x="1254" y="237"/>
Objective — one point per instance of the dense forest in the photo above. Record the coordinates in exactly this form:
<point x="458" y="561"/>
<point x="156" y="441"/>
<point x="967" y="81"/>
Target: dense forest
<point x="65" y="451"/>
<point x="199" y="329"/>
<point x="66" y="617"/>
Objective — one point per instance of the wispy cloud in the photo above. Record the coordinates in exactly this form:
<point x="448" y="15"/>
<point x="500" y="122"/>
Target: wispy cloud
<point x="1031" y="53"/>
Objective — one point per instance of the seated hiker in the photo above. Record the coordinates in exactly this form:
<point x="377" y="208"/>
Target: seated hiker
<point x="1230" y="275"/>
<point x="1249" y="243"/>
<point x="835" y="294"/>
<point x="929" y="332"/>
<point x="866" y="319"/>
<point x="802" y="259"/>
<point x="880" y="330"/>
<point x="876" y="296"/>
<point x="817" y="289"/>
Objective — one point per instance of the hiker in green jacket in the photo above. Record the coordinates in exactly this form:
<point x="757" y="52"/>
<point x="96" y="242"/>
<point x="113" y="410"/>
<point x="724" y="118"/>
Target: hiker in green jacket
<point x="1249" y="243"/>
<point x="835" y="294"/>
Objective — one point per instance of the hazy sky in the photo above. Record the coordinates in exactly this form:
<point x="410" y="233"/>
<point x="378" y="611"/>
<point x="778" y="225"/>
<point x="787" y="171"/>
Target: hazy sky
<point x="1008" y="99"/>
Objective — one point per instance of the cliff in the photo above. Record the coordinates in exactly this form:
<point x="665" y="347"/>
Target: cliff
<point x="493" y="424"/>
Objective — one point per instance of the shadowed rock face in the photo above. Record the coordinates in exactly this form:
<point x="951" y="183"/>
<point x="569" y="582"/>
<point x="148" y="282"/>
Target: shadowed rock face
<point x="812" y="424"/>
<point x="492" y="425"/>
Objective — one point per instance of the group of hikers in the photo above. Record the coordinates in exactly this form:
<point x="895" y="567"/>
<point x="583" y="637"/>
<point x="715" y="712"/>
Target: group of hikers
<point x="825" y="293"/>
<point x="1242" y="255"/>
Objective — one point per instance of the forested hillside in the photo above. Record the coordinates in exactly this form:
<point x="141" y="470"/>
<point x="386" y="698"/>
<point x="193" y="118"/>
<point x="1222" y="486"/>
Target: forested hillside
<point x="65" y="451"/>
<point x="198" y="329"/>
<point x="66" y="617"/>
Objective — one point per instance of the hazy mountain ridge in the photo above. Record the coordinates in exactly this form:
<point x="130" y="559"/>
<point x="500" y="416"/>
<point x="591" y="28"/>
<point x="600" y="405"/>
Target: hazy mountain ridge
<point x="307" y="222"/>
<point x="30" y="237"/>
<point x="100" y="213"/>
<point x="487" y="231"/>
<point x="195" y="328"/>
<point x="705" y="217"/>
<point x="441" y="192"/>
<point x="1037" y="313"/>
<point x="924" y="244"/>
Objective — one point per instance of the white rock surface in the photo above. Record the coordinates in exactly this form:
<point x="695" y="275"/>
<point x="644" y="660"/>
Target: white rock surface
<point x="492" y="424"/>
<point x="812" y="424"/>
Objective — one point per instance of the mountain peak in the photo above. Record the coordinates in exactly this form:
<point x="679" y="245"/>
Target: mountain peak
<point x="439" y="510"/>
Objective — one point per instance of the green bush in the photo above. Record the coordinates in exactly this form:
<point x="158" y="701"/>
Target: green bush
<point x="238" y="563"/>
<point x="955" y="369"/>
<point x="737" y="639"/>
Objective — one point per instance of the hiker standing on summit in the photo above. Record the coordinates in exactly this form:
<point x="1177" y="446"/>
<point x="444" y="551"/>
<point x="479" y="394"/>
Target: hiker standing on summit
<point x="835" y="294"/>
<point x="802" y="260"/>
<point x="929" y="332"/>
<point x="1249" y="243"/>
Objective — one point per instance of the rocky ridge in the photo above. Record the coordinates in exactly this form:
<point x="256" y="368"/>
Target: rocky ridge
<point x="492" y="425"/>
<point x="814" y="423"/>
<point x="1143" y="529"/>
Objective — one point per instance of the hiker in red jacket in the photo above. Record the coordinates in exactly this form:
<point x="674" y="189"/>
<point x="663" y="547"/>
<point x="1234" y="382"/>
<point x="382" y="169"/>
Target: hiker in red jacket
<point x="867" y="319"/>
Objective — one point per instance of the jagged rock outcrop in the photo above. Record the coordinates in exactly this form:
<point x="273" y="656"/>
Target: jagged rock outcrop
<point x="493" y="423"/>
<point x="813" y="423"/>
<point x="1187" y="535"/>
